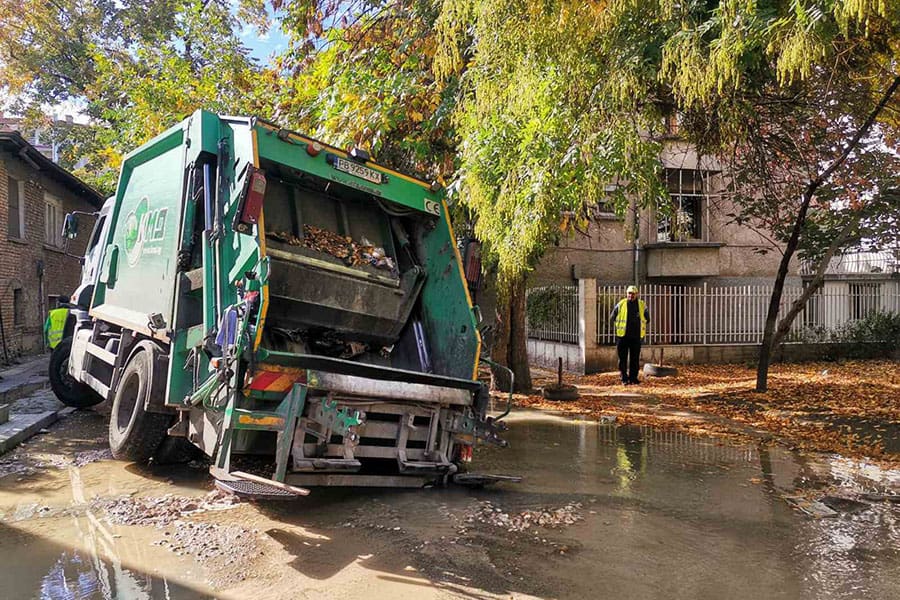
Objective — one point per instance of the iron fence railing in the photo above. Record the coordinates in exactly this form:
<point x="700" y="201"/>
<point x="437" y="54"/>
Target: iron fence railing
<point x="858" y="263"/>
<point x="552" y="313"/>
<point x="681" y="314"/>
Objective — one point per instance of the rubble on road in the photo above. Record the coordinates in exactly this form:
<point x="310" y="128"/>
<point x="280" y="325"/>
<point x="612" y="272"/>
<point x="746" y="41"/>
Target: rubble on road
<point x="551" y="518"/>
<point x="14" y="465"/>
<point x="205" y="541"/>
<point x="85" y="458"/>
<point x="161" y="511"/>
<point x="226" y="551"/>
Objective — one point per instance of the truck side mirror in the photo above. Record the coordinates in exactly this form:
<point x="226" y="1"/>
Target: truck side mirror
<point x="70" y="227"/>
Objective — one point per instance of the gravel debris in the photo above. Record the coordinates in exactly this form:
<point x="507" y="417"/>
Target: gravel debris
<point x="161" y="511"/>
<point x="22" y="463"/>
<point x="13" y="465"/>
<point x="552" y="518"/>
<point x="84" y="458"/>
<point x="226" y="550"/>
<point x="205" y="541"/>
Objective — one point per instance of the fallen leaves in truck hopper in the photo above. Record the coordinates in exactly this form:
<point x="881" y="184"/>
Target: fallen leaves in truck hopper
<point x="339" y="246"/>
<point x="851" y="408"/>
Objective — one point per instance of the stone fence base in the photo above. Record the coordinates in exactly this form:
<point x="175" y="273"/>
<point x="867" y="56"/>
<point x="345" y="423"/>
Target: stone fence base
<point x="603" y="358"/>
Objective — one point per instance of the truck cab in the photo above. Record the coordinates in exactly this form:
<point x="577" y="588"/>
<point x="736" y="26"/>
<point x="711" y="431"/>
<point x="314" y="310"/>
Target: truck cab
<point x="90" y="264"/>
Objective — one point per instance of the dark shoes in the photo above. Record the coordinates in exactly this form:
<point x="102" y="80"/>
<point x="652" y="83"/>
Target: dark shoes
<point x="626" y="382"/>
<point x="634" y="382"/>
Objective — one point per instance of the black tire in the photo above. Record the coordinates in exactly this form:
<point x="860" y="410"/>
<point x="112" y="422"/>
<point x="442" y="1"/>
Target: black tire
<point x="176" y="450"/>
<point x="70" y="392"/>
<point x="134" y="433"/>
<point x="652" y="370"/>
<point x="559" y="392"/>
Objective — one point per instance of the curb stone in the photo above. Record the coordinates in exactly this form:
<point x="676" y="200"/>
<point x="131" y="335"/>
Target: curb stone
<point x="23" y="426"/>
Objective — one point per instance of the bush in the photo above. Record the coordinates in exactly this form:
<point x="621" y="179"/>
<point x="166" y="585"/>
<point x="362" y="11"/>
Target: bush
<point x="541" y="309"/>
<point x="876" y="336"/>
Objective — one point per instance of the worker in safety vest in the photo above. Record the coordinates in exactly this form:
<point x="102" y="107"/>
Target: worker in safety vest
<point x="56" y="324"/>
<point x="630" y="317"/>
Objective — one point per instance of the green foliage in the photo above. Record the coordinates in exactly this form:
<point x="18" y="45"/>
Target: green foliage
<point x="877" y="335"/>
<point x="541" y="130"/>
<point x="367" y="81"/>
<point x="543" y="304"/>
<point x="136" y="66"/>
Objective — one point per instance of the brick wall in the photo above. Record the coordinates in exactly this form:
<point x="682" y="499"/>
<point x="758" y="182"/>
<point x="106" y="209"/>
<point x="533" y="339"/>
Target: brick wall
<point x="19" y="259"/>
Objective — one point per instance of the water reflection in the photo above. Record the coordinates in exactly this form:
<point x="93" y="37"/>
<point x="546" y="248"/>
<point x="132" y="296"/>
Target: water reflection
<point x="721" y="502"/>
<point x="75" y="577"/>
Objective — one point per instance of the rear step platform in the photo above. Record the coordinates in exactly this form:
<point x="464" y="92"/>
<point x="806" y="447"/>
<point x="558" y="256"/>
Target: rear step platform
<point x="246" y="485"/>
<point x="483" y="479"/>
<point x="257" y="491"/>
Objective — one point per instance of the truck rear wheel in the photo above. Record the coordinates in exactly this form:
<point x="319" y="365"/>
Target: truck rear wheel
<point x="134" y="433"/>
<point x="69" y="391"/>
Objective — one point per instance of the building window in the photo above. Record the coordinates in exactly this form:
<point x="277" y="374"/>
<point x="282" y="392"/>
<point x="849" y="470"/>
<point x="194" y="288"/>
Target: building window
<point x="15" y="191"/>
<point x="864" y="299"/>
<point x="18" y="307"/>
<point x="53" y="219"/>
<point x="672" y="123"/>
<point x="686" y="189"/>
<point x="606" y="205"/>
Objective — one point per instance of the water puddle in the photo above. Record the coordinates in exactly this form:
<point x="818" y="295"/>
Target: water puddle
<point x="633" y="511"/>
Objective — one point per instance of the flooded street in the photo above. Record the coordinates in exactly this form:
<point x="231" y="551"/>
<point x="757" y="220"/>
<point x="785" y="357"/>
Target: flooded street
<point x="603" y="511"/>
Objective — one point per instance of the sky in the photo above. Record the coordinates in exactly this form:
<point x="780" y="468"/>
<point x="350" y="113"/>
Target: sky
<point x="263" y="47"/>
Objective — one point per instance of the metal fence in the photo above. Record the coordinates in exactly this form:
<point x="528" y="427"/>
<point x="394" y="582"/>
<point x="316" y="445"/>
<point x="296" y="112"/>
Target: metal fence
<point x="737" y="314"/>
<point x="858" y="263"/>
<point x="552" y="313"/>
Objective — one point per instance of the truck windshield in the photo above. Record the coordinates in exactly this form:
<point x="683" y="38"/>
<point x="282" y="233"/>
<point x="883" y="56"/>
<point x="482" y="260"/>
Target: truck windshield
<point x="95" y="234"/>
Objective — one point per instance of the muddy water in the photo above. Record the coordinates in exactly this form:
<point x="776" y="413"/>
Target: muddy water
<point x="662" y="516"/>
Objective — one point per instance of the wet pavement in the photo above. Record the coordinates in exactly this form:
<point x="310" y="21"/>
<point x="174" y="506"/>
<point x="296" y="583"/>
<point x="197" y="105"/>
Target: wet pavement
<point x="603" y="511"/>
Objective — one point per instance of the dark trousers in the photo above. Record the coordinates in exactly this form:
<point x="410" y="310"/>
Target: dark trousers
<point x="629" y="367"/>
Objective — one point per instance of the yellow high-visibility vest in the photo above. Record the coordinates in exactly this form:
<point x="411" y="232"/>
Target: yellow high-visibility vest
<point x="622" y="317"/>
<point x="56" y="324"/>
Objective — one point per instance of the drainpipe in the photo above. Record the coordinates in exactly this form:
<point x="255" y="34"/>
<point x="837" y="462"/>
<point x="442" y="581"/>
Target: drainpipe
<point x="635" y="250"/>
<point x="41" y="307"/>
<point x="3" y="336"/>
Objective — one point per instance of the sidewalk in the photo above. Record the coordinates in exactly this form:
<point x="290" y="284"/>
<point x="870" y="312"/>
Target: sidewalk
<point x="851" y="408"/>
<point x="26" y="396"/>
<point x="32" y="371"/>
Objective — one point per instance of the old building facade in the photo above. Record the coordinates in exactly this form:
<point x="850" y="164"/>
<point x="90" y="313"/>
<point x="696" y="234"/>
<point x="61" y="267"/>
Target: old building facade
<point x="36" y="263"/>
<point x="699" y="243"/>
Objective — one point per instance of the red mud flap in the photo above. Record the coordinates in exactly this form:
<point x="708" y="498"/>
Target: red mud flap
<point x="483" y="479"/>
<point x="246" y="485"/>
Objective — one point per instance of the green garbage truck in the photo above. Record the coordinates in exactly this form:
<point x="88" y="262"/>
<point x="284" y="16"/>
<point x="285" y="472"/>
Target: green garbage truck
<point x="253" y="292"/>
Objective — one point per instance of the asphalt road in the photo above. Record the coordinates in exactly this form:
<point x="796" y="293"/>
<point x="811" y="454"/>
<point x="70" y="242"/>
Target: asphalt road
<point x="602" y="512"/>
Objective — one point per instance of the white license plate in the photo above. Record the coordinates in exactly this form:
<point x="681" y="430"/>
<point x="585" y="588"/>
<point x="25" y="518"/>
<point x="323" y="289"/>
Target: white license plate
<point x="357" y="170"/>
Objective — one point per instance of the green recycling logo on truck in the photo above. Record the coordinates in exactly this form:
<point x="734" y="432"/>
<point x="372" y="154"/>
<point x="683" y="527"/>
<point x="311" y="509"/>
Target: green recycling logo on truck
<point x="145" y="229"/>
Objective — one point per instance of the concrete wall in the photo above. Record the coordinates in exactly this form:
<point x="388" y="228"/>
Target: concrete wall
<point x="546" y="354"/>
<point x="605" y="359"/>
<point x="19" y="258"/>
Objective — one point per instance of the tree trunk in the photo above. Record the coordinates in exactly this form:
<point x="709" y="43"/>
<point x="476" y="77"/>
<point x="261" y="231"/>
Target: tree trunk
<point x="769" y="337"/>
<point x="510" y="347"/>
<point x="784" y="326"/>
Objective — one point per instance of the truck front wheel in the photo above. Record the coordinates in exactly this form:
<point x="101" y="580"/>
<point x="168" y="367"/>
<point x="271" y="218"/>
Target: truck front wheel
<point x="69" y="391"/>
<point x="134" y="433"/>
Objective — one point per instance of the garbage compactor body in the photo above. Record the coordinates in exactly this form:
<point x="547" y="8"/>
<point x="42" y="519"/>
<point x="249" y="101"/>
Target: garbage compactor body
<point x="258" y="293"/>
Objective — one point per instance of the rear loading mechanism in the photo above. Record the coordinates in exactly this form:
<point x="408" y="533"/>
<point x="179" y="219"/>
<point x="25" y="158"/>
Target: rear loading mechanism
<point x="284" y="301"/>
